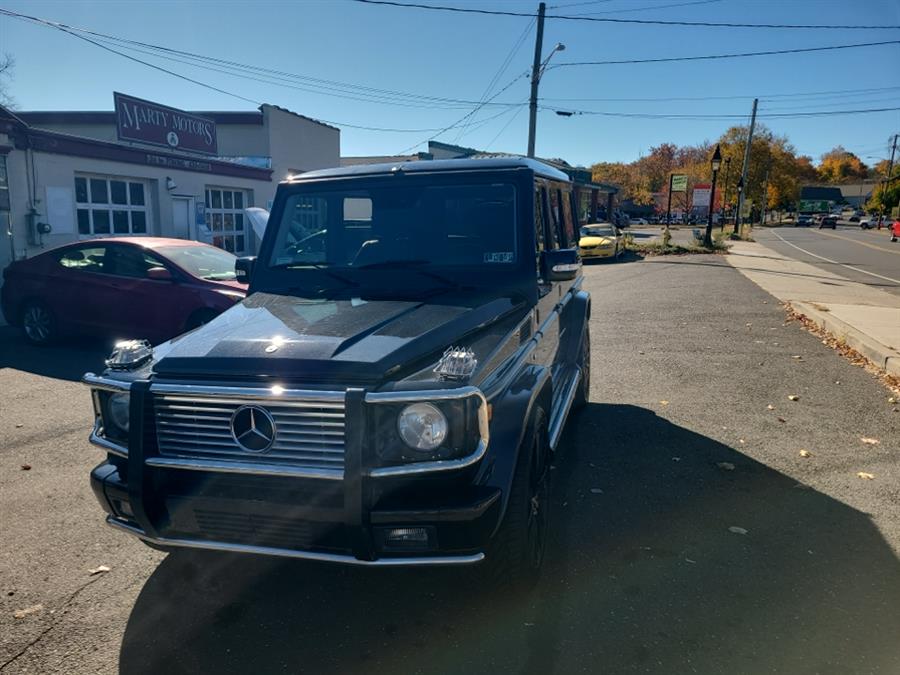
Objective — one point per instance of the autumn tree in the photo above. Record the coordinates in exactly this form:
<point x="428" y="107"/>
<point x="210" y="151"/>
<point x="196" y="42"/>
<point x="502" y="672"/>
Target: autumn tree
<point x="841" y="166"/>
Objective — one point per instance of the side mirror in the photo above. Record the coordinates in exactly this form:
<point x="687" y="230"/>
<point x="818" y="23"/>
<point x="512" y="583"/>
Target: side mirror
<point x="562" y="264"/>
<point x="159" y="274"/>
<point x="243" y="269"/>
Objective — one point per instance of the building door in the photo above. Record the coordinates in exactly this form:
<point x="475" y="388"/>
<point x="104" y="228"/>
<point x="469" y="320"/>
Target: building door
<point x="182" y="210"/>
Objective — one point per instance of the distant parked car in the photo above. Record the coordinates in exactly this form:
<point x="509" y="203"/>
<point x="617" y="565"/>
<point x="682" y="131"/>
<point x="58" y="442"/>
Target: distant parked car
<point x="601" y="240"/>
<point x="865" y="223"/>
<point x="804" y="219"/>
<point x="828" y="221"/>
<point x="639" y="221"/>
<point x="128" y="287"/>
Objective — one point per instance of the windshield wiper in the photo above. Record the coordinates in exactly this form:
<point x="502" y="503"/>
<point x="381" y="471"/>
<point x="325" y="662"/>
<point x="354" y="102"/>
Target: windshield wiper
<point x="407" y="263"/>
<point x="322" y="267"/>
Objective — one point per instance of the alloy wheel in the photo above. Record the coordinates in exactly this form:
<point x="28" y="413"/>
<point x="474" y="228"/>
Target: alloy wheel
<point x="538" y="506"/>
<point x="37" y="323"/>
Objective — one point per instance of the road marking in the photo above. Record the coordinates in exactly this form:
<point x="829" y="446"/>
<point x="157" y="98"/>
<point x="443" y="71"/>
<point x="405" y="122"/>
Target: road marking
<point x="856" y="241"/>
<point x="821" y="257"/>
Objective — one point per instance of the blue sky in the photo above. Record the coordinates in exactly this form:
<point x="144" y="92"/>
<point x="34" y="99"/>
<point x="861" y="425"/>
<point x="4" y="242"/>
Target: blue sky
<point x="452" y="55"/>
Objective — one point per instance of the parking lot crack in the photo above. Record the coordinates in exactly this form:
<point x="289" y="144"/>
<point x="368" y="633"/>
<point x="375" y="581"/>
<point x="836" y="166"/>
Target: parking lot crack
<point x="53" y="623"/>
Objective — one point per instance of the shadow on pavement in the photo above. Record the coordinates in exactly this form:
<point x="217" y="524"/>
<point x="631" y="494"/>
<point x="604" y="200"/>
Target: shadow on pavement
<point x="644" y="575"/>
<point x="68" y="360"/>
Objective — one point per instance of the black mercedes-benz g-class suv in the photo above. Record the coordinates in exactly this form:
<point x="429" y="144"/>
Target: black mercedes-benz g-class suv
<point x="392" y="390"/>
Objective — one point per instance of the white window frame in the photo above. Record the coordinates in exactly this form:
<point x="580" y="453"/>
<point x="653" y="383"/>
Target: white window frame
<point x="109" y="207"/>
<point x="221" y="214"/>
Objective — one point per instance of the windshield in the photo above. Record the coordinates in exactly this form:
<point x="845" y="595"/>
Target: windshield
<point x="598" y="231"/>
<point x="205" y="262"/>
<point x="440" y="225"/>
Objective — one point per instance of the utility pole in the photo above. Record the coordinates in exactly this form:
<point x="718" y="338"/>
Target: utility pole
<point x="535" y="78"/>
<point x="740" y="204"/>
<point x="887" y="180"/>
<point x="725" y="196"/>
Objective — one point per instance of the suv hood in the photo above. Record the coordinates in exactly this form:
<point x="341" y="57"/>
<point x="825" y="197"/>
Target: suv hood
<point x="351" y="341"/>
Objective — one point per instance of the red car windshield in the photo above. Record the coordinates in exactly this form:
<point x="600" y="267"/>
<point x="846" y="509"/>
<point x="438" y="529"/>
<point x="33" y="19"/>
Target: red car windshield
<point x="206" y="262"/>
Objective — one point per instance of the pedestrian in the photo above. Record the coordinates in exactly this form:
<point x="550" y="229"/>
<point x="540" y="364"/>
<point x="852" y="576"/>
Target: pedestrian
<point x="895" y="229"/>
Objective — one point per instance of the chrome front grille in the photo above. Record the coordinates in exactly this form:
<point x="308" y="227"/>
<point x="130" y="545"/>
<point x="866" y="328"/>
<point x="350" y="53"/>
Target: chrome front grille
<point x="309" y="428"/>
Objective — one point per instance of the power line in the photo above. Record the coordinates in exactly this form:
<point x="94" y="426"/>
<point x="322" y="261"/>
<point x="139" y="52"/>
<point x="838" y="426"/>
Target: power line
<point x="761" y="97"/>
<point x="658" y="22"/>
<point x="712" y="57"/>
<point x="338" y="89"/>
<point x="645" y="9"/>
<point x="714" y="116"/>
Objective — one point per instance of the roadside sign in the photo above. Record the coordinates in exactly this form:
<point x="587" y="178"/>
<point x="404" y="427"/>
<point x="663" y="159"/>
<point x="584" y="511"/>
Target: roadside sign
<point x="701" y="196"/>
<point x="679" y="182"/>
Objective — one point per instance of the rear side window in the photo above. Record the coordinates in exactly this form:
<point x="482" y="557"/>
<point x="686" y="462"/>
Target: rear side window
<point x="128" y="261"/>
<point x="84" y="259"/>
<point x="539" y="239"/>
<point x="568" y="225"/>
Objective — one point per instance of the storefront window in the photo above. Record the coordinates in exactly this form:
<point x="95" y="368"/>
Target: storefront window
<point x="225" y="218"/>
<point x="110" y="206"/>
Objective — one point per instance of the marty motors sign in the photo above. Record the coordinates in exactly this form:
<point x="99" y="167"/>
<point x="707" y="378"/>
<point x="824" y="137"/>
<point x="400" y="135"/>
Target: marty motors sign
<point x="146" y="122"/>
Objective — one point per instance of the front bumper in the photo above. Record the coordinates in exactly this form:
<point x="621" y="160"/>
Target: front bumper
<point x="352" y="520"/>
<point x="598" y="252"/>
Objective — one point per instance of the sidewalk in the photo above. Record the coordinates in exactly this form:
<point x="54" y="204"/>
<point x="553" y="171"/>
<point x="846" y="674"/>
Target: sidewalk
<point x="867" y="319"/>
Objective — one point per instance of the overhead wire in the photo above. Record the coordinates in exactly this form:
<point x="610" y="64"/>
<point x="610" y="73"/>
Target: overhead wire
<point x="645" y="9"/>
<point x="657" y="22"/>
<point x="711" y="57"/>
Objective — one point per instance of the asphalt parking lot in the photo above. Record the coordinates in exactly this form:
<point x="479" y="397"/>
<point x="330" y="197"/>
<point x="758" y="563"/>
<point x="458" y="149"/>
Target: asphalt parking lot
<point x="690" y="535"/>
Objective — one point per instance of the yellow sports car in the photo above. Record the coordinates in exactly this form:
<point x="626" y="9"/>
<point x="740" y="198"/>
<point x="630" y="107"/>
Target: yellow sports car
<point x="602" y="240"/>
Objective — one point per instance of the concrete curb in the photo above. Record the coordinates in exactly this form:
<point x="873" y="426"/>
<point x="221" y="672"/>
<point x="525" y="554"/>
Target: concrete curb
<point x="880" y="354"/>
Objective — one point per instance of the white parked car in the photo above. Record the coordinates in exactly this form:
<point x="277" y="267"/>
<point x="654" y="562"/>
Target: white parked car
<point x="865" y="223"/>
<point x="639" y="221"/>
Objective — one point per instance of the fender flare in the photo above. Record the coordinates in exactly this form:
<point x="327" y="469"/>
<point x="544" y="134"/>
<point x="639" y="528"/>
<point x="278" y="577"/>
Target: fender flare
<point x="533" y="386"/>
<point x="580" y="313"/>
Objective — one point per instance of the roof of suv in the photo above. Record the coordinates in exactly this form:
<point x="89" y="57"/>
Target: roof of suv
<point x="436" y="166"/>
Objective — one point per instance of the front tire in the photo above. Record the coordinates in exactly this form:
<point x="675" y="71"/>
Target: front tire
<point x="516" y="553"/>
<point x="584" y="361"/>
<point x="38" y="323"/>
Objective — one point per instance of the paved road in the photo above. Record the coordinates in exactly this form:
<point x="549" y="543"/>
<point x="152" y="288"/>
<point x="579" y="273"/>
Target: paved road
<point x="867" y="256"/>
<point x="643" y="576"/>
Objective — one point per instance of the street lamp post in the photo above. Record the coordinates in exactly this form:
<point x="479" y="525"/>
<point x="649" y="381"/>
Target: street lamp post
<point x="725" y="194"/>
<point x="715" y="162"/>
<point x="737" y="210"/>
<point x="537" y="71"/>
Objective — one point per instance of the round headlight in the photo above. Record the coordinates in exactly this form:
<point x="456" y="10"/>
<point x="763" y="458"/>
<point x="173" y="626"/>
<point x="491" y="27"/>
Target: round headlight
<point x="117" y="407"/>
<point x="422" y="426"/>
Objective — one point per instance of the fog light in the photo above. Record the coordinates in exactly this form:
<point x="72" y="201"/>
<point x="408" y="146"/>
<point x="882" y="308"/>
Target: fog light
<point x="122" y="508"/>
<point x="407" y="538"/>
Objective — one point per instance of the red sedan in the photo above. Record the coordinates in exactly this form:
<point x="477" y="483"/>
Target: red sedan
<point x="125" y="287"/>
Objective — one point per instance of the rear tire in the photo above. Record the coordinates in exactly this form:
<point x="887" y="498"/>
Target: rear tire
<point x="38" y="323"/>
<point x="516" y="553"/>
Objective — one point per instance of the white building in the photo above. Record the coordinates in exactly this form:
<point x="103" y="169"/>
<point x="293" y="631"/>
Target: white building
<point x="148" y="170"/>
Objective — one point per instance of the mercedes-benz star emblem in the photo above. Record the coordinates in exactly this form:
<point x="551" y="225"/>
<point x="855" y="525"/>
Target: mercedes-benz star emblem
<point x="253" y="428"/>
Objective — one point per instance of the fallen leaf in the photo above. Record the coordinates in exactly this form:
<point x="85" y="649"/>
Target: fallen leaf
<point x="676" y="459"/>
<point x="798" y="357"/>
<point x="19" y="426"/>
<point x="596" y="491"/>
<point x="22" y="613"/>
<point x="727" y="466"/>
<point x="865" y="475"/>
<point x="99" y="570"/>
<point x="805" y="453"/>
<point x="892" y="400"/>
<point x="870" y="441"/>
<point x="664" y="402"/>
<point x="640" y="352"/>
<point x="837" y="381"/>
<point x="741" y="441"/>
<point x="26" y="467"/>
<point x="737" y="530"/>
<point x="749" y="324"/>
<point x="770" y="407"/>
<point x="782" y="420"/>
<point x="793" y="397"/>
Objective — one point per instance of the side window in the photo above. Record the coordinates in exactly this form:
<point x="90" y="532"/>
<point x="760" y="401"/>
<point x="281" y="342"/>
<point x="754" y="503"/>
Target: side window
<point x="84" y="259"/>
<point x="568" y="225"/>
<point x="127" y="261"/>
<point x="540" y="244"/>
<point x="555" y="238"/>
